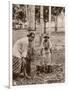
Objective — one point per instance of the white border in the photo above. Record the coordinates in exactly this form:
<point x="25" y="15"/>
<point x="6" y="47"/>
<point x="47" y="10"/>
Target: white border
<point x="40" y="2"/>
<point x="10" y="38"/>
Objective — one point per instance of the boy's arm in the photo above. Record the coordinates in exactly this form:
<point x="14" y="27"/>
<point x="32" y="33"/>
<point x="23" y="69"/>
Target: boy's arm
<point x="41" y="51"/>
<point x="51" y="50"/>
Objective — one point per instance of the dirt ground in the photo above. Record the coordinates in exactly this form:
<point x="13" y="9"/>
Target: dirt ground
<point x="58" y="59"/>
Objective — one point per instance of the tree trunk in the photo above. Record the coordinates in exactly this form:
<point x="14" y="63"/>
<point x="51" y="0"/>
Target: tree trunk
<point x="55" y="23"/>
<point x="44" y="26"/>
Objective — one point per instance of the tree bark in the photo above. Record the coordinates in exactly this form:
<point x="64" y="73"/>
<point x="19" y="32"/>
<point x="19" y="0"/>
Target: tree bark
<point x="55" y="23"/>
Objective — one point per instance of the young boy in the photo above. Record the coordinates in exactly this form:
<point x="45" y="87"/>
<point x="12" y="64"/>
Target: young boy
<point x="46" y="50"/>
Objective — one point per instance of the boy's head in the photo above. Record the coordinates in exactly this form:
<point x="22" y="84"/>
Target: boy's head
<point x="46" y="36"/>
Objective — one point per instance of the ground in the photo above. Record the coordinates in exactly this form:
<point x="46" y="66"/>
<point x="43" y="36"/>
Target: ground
<point x="58" y="58"/>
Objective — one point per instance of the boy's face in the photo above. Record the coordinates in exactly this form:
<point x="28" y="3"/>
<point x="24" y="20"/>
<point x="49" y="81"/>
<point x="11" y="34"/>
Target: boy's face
<point x="45" y="39"/>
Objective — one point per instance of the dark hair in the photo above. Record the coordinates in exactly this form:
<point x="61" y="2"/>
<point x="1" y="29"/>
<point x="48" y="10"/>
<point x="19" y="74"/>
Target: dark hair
<point x="46" y="37"/>
<point x="31" y="34"/>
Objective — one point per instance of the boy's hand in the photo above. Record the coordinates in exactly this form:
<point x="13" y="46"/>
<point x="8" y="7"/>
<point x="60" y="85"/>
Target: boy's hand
<point x="41" y="51"/>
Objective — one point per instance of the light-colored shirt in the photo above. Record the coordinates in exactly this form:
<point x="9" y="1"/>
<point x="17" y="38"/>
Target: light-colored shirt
<point x="49" y="47"/>
<point x="20" y="47"/>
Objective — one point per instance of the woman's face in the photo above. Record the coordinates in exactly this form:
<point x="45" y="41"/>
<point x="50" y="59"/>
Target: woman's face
<point x="31" y="38"/>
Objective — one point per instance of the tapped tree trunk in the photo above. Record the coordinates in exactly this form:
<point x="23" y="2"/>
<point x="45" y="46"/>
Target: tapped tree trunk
<point x="44" y="26"/>
<point x="31" y="16"/>
<point x="55" y="23"/>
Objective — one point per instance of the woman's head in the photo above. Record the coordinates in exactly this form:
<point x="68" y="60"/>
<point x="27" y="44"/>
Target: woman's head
<point x="31" y="36"/>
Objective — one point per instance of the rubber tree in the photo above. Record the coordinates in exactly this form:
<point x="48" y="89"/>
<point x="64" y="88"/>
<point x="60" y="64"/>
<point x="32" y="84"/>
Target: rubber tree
<point x="45" y="16"/>
<point x="37" y="15"/>
<point x="55" y="11"/>
<point x="21" y="13"/>
<point x="15" y="8"/>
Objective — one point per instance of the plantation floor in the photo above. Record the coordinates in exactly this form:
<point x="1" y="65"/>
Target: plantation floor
<point x="58" y="58"/>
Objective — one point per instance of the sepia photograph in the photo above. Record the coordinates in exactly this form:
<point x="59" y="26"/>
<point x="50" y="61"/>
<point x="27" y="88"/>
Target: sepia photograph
<point x="38" y="44"/>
